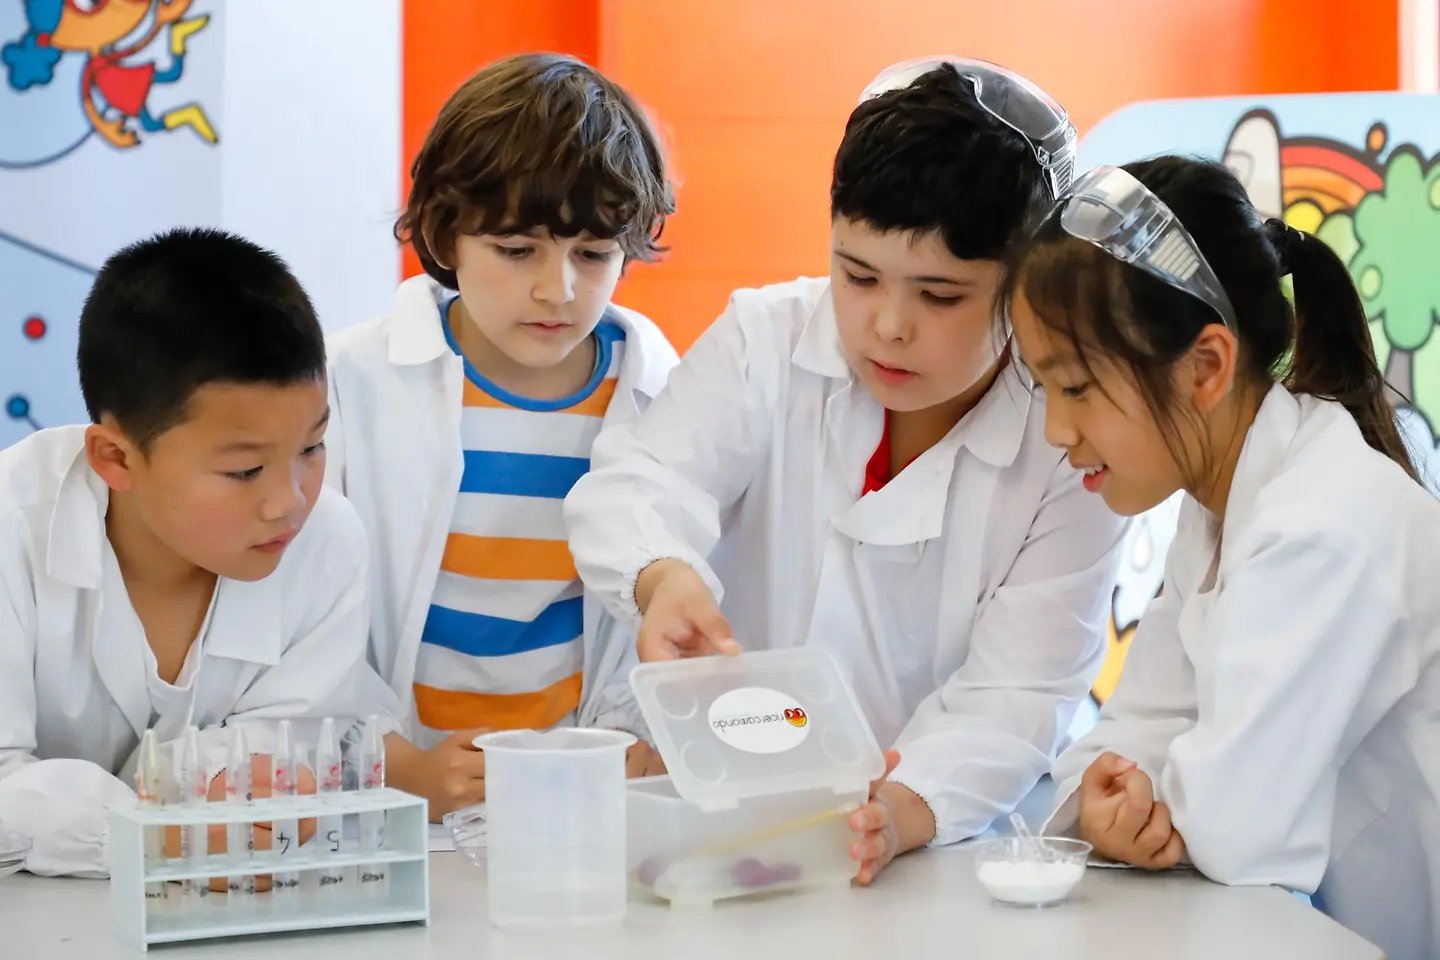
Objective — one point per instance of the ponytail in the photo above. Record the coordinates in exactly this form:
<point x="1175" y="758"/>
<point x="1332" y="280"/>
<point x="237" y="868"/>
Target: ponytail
<point x="1333" y="356"/>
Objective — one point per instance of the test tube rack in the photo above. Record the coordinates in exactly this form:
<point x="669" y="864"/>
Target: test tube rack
<point x="403" y="898"/>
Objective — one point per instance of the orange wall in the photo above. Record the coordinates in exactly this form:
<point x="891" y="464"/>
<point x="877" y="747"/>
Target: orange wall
<point x="445" y="41"/>
<point x="753" y="94"/>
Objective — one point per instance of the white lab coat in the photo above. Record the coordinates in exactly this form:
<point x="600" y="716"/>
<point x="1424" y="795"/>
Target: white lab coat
<point x="1288" y="715"/>
<point x="394" y="450"/>
<point x="73" y="675"/>
<point x="966" y="600"/>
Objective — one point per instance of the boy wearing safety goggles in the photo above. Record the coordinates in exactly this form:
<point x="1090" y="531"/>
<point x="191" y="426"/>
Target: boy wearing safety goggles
<point x="857" y="463"/>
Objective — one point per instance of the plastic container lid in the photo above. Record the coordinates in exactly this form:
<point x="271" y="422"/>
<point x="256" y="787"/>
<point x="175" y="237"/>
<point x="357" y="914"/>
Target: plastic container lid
<point x="759" y="724"/>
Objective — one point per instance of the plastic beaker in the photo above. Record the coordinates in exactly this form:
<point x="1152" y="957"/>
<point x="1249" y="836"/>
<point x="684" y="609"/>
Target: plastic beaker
<point x="555" y="805"/>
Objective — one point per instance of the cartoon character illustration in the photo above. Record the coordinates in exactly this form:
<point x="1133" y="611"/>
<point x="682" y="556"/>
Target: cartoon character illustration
<point x="1117" y="645"/>
<point x="796" y="716"/>
<point x="1380" y="217"/>
<point x="42" y="291"/>
<point x="100" y="29"/>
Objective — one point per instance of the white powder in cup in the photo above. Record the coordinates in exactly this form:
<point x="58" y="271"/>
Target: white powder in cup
<point x="1030" y="883"/>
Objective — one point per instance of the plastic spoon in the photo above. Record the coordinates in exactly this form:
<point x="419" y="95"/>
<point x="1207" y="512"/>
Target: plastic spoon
<point x="1022" y="830"/>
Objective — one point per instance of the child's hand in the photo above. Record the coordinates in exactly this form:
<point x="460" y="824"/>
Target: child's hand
<point x="1121" y="819"/>
<point x="641" y="760"/>
<point x="894" y="821"/>
<point x="681" y="618"/>
<point x="261" y="785"/>
<point x="451" y="775"/>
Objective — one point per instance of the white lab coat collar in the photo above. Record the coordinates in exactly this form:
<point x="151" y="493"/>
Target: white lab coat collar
<point x="246" y="621"/>
<point x="994" y="430"/>
<point x="1266" y="444"/>
<point x="415" y="335"/>
<point x="77" y="528"/>
<point x="648" y="358"/>
<point x="246" y="624"/>
<point x="818" y="349"/>
<point x="912" y="507"/>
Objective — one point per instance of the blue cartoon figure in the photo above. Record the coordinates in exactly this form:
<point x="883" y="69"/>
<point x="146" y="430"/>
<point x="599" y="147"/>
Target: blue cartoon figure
<point x="97" y="29"/>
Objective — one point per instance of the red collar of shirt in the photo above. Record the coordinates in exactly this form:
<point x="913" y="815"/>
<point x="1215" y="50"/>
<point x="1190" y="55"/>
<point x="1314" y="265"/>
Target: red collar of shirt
<point x="877" y="471"/>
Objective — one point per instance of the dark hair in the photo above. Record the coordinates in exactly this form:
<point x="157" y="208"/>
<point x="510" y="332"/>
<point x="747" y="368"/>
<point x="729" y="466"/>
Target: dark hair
<point x="1321" y="346"/>
<point x="928" y="158"/>
<point x="537" y="140"/>
<point x="187" y="308"/>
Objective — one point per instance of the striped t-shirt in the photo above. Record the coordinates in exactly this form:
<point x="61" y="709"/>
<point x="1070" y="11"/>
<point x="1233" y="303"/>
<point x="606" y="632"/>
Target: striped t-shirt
<point x="502" y="645"/>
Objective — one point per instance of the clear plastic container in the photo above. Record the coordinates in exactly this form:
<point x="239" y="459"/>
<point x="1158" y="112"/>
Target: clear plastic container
<point x="467" y="831"/>
<point x="14" y="849"/>
<point x="555" y="820"/>
<point x="768" y="755"/>
<point x="1023" y="872"/>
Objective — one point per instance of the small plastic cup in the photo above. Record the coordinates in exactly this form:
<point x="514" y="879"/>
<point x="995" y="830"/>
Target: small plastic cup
<point x="467" y="830"/>
<point x="555" y="825"/>
<point x="1039" y="872"/>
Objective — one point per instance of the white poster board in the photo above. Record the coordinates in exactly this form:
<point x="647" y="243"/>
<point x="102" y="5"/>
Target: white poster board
<point x="278" y="120"/>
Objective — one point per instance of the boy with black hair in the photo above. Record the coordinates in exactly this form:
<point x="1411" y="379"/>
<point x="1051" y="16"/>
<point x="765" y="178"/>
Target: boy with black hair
<point x="177" y="561"/>
<point x="860" y="466"/>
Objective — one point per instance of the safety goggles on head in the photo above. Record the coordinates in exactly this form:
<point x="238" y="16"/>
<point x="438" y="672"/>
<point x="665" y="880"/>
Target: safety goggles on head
<point x="1117" y="213"/>
<point x="1009" y="98"/>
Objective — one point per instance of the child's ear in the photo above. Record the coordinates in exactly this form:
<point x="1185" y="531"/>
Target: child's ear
<point x="1213" y="361"/>
<point x="111" y="454"/>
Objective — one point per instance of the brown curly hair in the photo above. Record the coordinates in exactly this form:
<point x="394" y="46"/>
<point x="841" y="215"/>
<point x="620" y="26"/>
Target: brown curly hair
<point x="537" y="140"/>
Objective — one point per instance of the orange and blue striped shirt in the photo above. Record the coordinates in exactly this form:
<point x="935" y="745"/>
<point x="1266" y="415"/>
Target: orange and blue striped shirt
<point x="503" y="641"/>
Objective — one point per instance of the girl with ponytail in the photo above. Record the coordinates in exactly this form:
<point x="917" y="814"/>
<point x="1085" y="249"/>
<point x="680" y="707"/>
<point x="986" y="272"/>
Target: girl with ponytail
<point x="1276" y="721"/>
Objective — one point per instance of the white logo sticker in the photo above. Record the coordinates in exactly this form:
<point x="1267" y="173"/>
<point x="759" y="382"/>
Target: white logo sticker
<point x="759" y="720"/>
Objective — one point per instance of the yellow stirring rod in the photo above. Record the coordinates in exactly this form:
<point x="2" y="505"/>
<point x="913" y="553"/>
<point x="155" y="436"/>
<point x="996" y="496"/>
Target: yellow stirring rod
<point x="726" y="847"/>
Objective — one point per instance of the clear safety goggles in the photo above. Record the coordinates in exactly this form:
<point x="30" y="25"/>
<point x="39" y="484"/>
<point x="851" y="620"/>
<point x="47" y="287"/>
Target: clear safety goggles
<point x="1117" y="213"/>
<point x="1009" y="98"/>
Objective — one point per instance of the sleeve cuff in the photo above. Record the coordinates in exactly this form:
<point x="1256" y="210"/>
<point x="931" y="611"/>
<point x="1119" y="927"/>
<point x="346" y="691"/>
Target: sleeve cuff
<point x="630" y="608"/>
<point x="947" y="829"/>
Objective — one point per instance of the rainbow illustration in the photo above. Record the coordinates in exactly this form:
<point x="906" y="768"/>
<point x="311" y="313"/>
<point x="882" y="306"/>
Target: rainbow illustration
<point x="1303" y="179"/>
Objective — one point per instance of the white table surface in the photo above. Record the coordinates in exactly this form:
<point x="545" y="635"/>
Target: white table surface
<point x="926" y="905"/>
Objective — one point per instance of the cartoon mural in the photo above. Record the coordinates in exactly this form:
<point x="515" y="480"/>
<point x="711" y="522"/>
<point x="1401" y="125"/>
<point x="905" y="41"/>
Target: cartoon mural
<point x="49" y="289"/>
<point x="1384" y="221"/>
<point x="1360" y="171"/>
<point x="88" y="89"/>
<point x="114" y="88"/>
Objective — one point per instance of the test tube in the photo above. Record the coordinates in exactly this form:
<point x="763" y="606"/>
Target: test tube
<point x="372" y="822"/>
<point x="287" y="829"/>
<point x="195" y="788"/>
<point x="328" y="775"/>
<point x="150" y="790"/>
<point x="239" y="839"/>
